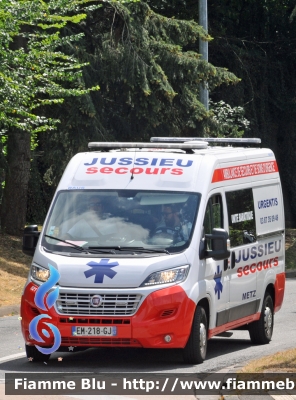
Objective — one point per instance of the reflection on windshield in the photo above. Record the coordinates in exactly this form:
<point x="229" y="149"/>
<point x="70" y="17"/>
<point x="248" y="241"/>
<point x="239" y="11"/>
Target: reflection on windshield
<point x="122" y="219"/>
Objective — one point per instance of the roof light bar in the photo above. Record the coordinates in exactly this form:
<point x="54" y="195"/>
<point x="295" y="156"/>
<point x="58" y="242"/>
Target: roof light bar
<point x="140" y="145"/>
<point x="206" y="139"/>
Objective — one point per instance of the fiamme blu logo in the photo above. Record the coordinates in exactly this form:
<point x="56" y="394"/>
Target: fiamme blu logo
<point x="45" y="303"/>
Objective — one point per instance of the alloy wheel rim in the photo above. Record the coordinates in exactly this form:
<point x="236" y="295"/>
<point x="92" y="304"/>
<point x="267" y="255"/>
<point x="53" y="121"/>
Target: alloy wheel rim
<point x="268" y="321"/>
<point x="203" y="338"/>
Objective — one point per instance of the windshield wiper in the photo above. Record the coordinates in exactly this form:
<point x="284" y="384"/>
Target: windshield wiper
<point x="134" y="249"/>
<point x="144" y="250"/>
<point x="82" y="249"/>
<point x="107" y="250"/>
<point x="65" y="241"/>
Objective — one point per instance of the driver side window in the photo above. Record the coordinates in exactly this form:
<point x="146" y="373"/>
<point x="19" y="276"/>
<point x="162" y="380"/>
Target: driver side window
<point x="213" y="216"/>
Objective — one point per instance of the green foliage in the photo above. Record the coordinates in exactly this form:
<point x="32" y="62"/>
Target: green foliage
<point x="255" y="20"/>
<point x="144" y="56"/>
<point x="293" y="14"/>
<point x="149" y="72"/>
<point x="256" y="39"/>
<point x="33" y="72"/>
<point x="230" y="121"/>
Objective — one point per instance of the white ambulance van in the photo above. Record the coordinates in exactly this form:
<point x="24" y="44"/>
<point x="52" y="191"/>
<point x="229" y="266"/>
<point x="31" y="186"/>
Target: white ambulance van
<point x="157" y="245"/>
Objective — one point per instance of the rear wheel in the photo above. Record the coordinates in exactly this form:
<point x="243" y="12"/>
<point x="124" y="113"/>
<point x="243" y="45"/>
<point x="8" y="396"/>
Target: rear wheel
<point x="261" y="331"/>
<point x="33" y="354"/>
<point x="196" y="348"/>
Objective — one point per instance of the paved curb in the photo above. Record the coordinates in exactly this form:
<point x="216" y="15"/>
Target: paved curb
<point x="291" y="273"/>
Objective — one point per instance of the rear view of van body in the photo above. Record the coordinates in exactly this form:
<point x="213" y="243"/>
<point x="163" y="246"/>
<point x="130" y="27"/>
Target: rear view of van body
<point x="157" y="245"/>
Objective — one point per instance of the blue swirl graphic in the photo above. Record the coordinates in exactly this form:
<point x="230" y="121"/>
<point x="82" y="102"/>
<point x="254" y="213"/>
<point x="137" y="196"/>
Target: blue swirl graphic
<point x="45" y="287"/>
<point x="50" y="300"/>
<point x="52" y="297"/>
<point x="33" y="329"/>
<point x="45" y="333"/>
<point x="57" y="340"/>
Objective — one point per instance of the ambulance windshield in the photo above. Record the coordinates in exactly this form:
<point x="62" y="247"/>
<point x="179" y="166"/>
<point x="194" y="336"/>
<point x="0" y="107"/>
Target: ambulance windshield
<point x="115" y="219"/>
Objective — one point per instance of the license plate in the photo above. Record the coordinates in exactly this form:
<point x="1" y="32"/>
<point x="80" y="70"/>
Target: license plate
<point x="94" y="330"/>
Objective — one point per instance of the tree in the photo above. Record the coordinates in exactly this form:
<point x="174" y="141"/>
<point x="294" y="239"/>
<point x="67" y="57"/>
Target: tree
<point x="33" y="73"/>
<point x="253" y="39"/>
<point x="149" y="73"/>
<point x="256" y="39"/>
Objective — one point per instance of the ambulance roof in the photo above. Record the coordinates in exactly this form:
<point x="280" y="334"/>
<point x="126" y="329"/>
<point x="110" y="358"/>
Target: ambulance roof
<point x="165" y="165"/>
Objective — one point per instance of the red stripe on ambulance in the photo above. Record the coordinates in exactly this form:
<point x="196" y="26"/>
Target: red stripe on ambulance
<point x="244" y="171"/>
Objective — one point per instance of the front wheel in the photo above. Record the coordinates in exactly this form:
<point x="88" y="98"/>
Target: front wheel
<point x="261" y="331"/>
<point x="196" y="348"/>
<point x="33" y="354"/>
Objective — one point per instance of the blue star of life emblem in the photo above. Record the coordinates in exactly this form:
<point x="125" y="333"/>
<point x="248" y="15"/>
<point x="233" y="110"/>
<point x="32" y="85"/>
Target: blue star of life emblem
<point x="101" y="269"/>
<point x="217" y="279"/>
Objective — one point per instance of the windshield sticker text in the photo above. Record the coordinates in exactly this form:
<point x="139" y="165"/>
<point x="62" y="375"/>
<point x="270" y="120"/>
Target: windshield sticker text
<point x="241" y="217"/>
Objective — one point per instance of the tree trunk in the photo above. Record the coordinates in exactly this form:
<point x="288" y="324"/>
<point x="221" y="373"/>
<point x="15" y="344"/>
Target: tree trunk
<point x="14" y="204"/>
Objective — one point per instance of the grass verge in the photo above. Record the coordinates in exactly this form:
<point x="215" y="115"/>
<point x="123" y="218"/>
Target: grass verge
<point x="283" y="361"/>
<point x="14" y="268"/>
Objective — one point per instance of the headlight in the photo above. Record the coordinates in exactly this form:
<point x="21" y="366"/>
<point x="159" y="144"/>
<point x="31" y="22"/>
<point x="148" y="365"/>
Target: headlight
<point x="39" y="273"/>
<point x="173" y="275"/>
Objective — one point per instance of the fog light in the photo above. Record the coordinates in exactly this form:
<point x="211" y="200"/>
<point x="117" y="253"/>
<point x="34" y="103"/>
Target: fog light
<point x="167" y="338"/>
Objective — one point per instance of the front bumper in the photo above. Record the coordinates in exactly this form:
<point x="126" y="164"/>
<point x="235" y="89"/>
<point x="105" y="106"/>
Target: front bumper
<point x="165" y="312"/>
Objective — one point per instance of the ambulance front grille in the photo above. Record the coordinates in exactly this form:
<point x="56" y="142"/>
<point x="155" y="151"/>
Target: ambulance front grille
<point x="110" y="304"/>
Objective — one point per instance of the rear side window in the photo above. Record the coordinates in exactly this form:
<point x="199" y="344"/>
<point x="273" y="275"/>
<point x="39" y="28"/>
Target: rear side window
<point x="241" y="217"/>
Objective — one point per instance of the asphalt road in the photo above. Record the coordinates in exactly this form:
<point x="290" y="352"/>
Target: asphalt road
<point x="223" y="353"/>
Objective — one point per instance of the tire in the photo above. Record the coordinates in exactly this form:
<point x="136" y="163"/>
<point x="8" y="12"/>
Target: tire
<point x="196" y="348"/>
<point x="33" y="354"/>
<point x="261" y="331"/>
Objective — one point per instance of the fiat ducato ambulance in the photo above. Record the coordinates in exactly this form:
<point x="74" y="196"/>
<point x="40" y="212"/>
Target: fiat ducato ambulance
<point x="163" y="244"/>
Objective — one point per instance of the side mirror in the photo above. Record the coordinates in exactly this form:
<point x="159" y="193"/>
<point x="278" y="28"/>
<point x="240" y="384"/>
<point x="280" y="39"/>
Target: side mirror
<point x="30" y="239"/>
<point x="220" y="245"/>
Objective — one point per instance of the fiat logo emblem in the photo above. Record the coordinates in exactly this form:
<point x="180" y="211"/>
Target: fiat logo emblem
<point x="96" y="301"/>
